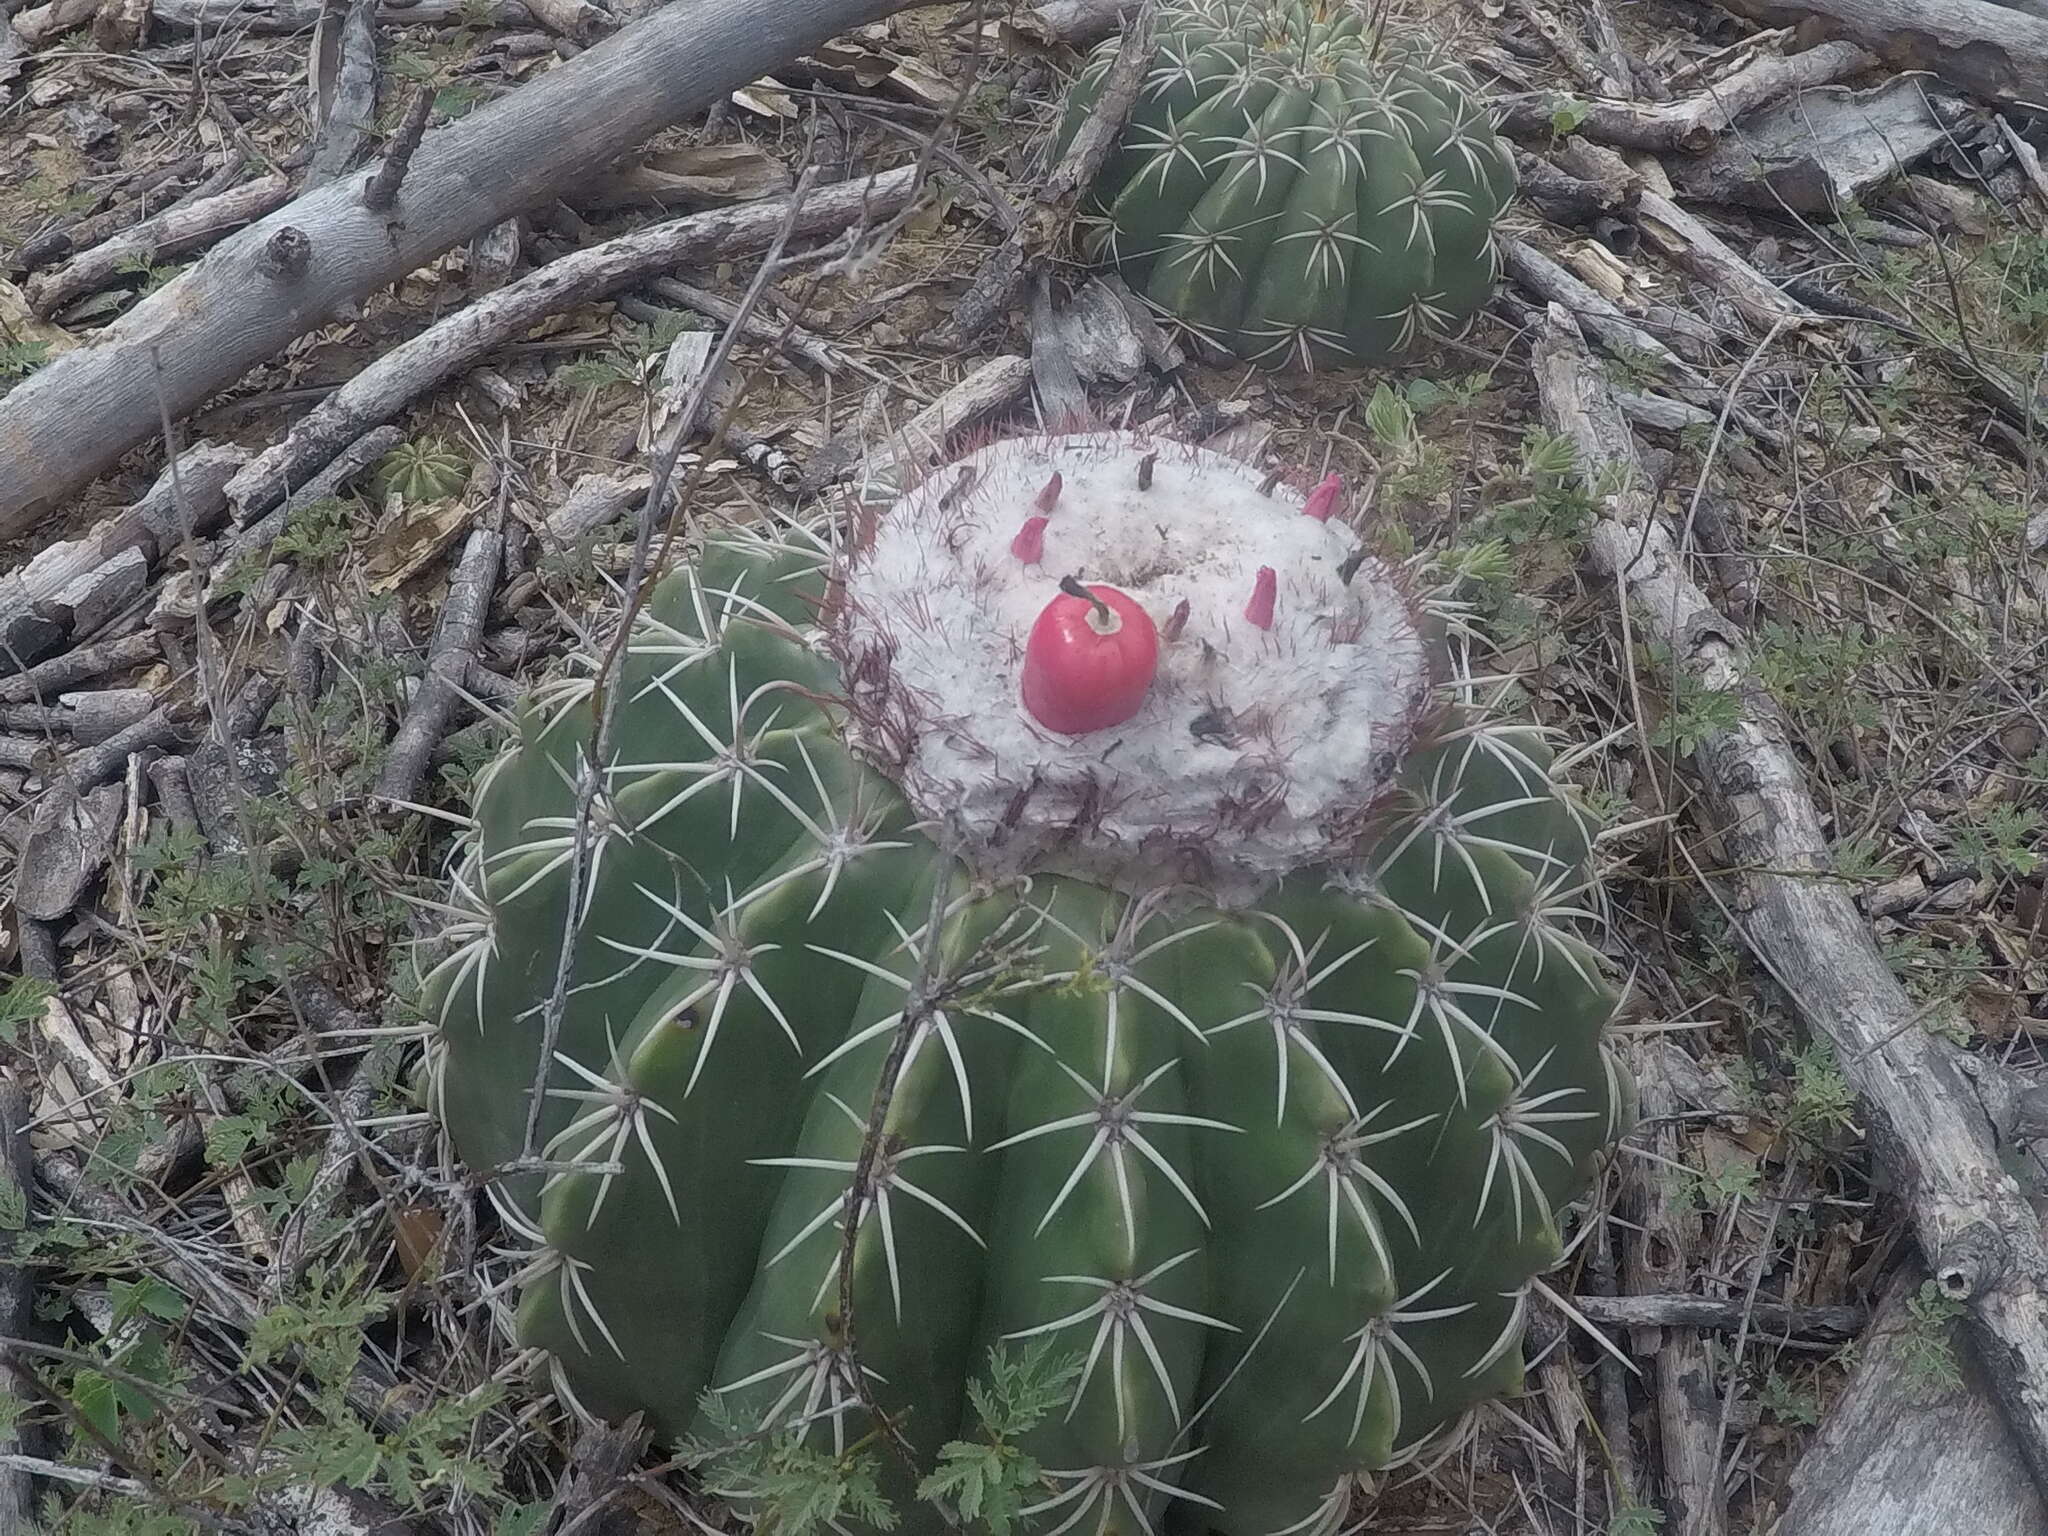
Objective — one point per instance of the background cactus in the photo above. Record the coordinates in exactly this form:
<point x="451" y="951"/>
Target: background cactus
<point x="1300" y="182"/>
<point x="1245" y="1047"/>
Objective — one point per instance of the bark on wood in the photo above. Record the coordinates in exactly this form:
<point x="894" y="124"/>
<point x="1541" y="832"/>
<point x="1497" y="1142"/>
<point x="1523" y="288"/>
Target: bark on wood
<point x="1077" y="23"/>
<point x="47" y="679"/>
<point x="174" y="232"/>
<point x="1572" y="202"/>
<point x="1990" y="50"/>
<point x="449" y="347"/>
<point x="347" y="101"/>
<point x="454" y="649"/>
<point x="1927" y="1127"/>
<point x="998" y="385"/>
<point x="1767" y="1319"/>
<point x="1663" y="1250"/>
<point x="805" y="346"/>
<point x="1697" y="122"/>
<point x="1904" y="1455"/>
<point x="206" y="18"/>
<point x="73" y="418"/>
<point x="1825" y="149"/>
<point x="72" y="587"/>
<point x="354" y="460"/>
<point x="1684" y="239"/>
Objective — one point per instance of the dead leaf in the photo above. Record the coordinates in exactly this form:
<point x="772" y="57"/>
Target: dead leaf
<point x="409" y="543"/>
<point x="417" y="1232"/>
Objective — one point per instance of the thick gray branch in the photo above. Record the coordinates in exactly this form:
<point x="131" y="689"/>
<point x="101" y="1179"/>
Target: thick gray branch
<point x="74" y="418"/>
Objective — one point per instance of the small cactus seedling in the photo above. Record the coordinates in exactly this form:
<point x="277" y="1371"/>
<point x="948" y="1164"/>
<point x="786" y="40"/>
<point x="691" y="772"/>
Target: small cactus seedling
<point x="1089" y="870"/>
<point x="426" y="469"/>
<point x="1300" y="183"/>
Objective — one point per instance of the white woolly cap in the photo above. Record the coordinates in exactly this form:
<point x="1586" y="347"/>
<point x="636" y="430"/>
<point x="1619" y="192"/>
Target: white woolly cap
<point x="1256" y="751"/>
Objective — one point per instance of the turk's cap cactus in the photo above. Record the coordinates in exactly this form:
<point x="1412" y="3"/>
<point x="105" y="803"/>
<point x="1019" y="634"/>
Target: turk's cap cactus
<point x="1293" y="670"/>
<point x="1301" y="181"/>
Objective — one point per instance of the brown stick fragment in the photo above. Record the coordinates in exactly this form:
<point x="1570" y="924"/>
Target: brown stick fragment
<point x="73" y="586"/>
<point x="85" y="232"/>
<point x="1926" y="1125"/>
<point x="1661" y="1258"/>
<point x="93" y="766"/>
<point x="450" y="346"/>
<point x="1570" y="201"/>
<point x="176" y="231"/>
<point x="1697" y="122"/>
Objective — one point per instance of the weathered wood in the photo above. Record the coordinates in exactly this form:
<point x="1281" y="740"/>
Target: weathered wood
<point x="1995" y="51"/>
<point x="241" y="304"/>
<point x="205" y="18"/>
<point x="345" y="91"/>
<point x="1696" y="122"/>
<point x="1767" y="1319"/>
<point x="998" y="385"/>
<point x="1077" y="23"/>
<point x="450" y="346"/>
<point x="1662" y="1245"/>
<point x="71" y="587"/>
<point x="1681" y="237"/>
<point x="1824" y="149"/>
<point x="1901" y="1454"/>
<point x="176" y="231"/>
<point x="1926" y="1126"/>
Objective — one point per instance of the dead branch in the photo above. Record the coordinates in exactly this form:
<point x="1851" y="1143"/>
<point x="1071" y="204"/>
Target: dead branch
<point x="1046" y="221"/>
<point x="1824" y="150"/>
<point x="174" y="232"/>
<point x="48" y="679"/>
<point x="1697" y="122"/>
<point x="1767" y="1319"/>
<point x="453" y="652"/>
<point x="445" y="349"/>
<point x="1929" y="1131"/>
<point x="1990" y="50"/>
<point x="1077" y="23"/>
<point x="1685" y="240"/>
<point x="72" y="587"/>
<point x="347" y="107"/>
<point x="73" y="418"/>
<point x="1903" y="1453"/>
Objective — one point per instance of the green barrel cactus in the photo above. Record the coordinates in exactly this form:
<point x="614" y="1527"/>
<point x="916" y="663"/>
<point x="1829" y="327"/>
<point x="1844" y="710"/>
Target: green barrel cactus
<point x="1096" y="854"/>
<point x="1299" y="183"/>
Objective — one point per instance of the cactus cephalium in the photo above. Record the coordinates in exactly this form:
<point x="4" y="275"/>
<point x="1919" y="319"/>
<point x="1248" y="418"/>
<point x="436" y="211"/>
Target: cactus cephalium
<point x="1233" y="1024"/>
<point x="1299" y="182"/>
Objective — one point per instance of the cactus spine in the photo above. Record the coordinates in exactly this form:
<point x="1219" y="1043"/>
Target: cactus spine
<point x="1245" y="1047"/>
<point x="1299" y="183"/>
